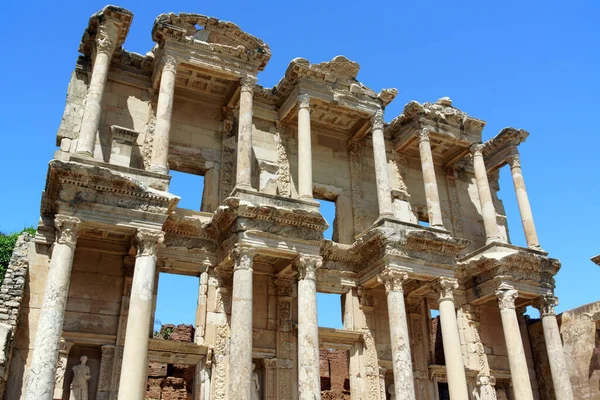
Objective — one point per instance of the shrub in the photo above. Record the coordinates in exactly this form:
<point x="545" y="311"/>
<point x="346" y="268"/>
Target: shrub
<point x="7" y="245"/>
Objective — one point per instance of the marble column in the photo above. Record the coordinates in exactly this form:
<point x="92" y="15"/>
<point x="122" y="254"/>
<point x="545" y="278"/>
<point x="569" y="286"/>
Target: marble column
<point x="164" y="112"/>
<point x="514" y="343"/>
<point x="309" y="376"/>
<point x="523" y="200"/>
<point x="244" y="144"/>
<point x="432" y="196"/>
<point x="41" y="376"/>
<point x="61" y="369"/>
<point x="392" y="279"/>
<point x="135" y="352"/>
<point x="240" y="355"/>
<point x="105" y="42"/>
<point x="488" y="211"/>
<point x="556" y="356"/>
<point x="455" y="368"/>
<point x="384" y="195"/>
<point x="305" y="181"/>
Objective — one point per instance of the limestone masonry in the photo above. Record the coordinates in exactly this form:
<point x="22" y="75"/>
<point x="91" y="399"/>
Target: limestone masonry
<point x="418" y="229"/>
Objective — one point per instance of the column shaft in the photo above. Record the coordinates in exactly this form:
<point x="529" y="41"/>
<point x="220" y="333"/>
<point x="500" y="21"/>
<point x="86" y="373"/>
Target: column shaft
<point x="244" y="145"/>
<point x="135" y="352"/>
<point x="554" y="348"/>
<point x="401" y="359"/>
<point x="384" y="196"/>
<point x="523" y="201"/>
<point x="41" y="378"/>
<point x="164" y="112"/>
<point x="431" y="190"/>
<point x="309" y="379"/>
<point x="305" y="181"/>
<point x="488" y="211"/>
<point x="455" y="368"/>
<point x="514" y="343"/>
<point x="240" y="365"/>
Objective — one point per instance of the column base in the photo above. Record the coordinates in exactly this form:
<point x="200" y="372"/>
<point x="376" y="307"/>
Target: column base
<point x="159" y="169"/>
<point x="536" y="247"/>
<point x="84" y="154"/>
<point x="442" y="227"/>
<point x="495" y="239"/>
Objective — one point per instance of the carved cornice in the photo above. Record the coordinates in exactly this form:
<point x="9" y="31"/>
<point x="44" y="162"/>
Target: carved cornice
<point x="243" y="257"/>
<point x="507" y="295"/>
<point x="445" y="287"/>
<point x="211" y="35"/>
<point x="100" y="36"/>
<point x="392" y="279"/>
<point x="67" y="229"/>
<point x="546" y="304"/>
<point x="147" y="242"/>
<point x="307" y="265"/>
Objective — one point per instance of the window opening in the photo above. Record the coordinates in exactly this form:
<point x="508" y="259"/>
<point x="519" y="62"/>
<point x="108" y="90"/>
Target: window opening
<point x="176" y="301"/>
<point x="443" y="391"/>
<point x="190" y="187"/>
<point x="327" y="209"/>
<point x="437" y="346"/>
<point x="329" y="310"/>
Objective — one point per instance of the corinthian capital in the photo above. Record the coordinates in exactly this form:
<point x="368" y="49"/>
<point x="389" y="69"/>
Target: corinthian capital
<point x="506" y="297"/>
<point x="247" y="83"/>
<point x="307" y="266"/>
<point x="67" y="229"/>
<point x="514" y="160"/>
<point x="445" y="288"/>
<point x="423" y="135"/>
<point x="105" y="40"/>
<point x="243" y="256"/>
<point x="392" y="279"/>
<point x="169" y="63"/>
<point x="147" y="241"/>
<point x="477" y="149"/>
<point x="303" y="101"/>
<point x="377" y="120"/>
<point x="545" y="304"/>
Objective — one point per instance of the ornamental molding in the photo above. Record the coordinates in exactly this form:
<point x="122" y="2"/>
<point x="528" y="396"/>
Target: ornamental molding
<point x="445" y="287"/>
<point x="243" y="256"/>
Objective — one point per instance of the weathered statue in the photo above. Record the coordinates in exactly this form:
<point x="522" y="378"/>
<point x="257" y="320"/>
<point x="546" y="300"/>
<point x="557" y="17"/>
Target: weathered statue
<point x="81" y="376"/>
<point x="392" y="392"/>
<point x="255" y="384"/>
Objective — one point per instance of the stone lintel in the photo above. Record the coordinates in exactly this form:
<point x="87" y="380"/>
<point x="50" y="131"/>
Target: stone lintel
<point x="339" y="338"/>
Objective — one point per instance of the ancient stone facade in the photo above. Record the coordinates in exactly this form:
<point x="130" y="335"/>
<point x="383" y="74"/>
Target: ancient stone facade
<point x="418" y="227"/>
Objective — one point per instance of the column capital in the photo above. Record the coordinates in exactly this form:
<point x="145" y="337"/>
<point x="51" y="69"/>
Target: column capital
<point x="147" y="241"/>
<point x="65" y="347"/>
<point x="377" y="120"/>
<point x="105" y="40"/>
<point x="169" y="63"/>
<point x="243" y="256"/>
<point x="506" y="296"/>
<point x="247" y="83"/>
<point x="67" y="229"/>
<point x="283" y="286"/>
<point x="476" y="148"/>
<point x="423" y="136"/>
<point x="545" y="304"/>
<point x="392" y="279"/>
<point x="303" y="100"/>
<point x="108" y="350"/>
<point x="365" y="297"/>
<point x="514" y="160"/>
<point x="445" y="288"/>
<point x="307" y="265"/>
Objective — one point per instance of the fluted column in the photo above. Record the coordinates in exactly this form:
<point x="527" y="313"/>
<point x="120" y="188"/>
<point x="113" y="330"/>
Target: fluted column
<point x="164" y="112"/>
<point x="240" y="358"/>
<point x="135" y="352"/>
<point x="244" y="144"/>
<point x="309" y="377"/>
<point x="514" y="343"/>
<point x="432" y="196"/>
<point x="41" y="377"/>
<point x="105" y="42"/>
<point x="305" y="180"/>
<point x="455" y="368"/>
<point x="384" y="195"/>
<point x="556" y="355"/>
<point x="488" y="211"/>
<point x="401" y="359"/>
<point x="523" y="200"/>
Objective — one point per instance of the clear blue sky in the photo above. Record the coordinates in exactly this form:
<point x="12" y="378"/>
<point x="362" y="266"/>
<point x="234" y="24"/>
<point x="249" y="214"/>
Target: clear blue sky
<point x="532" y="65"/>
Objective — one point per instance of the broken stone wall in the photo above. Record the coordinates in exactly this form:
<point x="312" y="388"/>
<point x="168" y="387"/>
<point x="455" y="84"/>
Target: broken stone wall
<point x="334" y="374"/>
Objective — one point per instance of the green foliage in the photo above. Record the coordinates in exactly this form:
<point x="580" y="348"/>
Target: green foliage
<point x="7" y="245"/>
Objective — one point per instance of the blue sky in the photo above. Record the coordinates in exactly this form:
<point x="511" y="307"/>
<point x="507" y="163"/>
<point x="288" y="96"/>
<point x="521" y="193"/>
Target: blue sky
<point x="531" y="65"/>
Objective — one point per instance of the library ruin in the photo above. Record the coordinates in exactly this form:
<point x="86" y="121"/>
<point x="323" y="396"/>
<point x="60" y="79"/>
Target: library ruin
<point x="418" y="230"/>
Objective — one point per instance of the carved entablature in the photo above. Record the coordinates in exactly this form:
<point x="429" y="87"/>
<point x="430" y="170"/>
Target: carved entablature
<point x="449" y="130"/>
<point x="98" y="194"/>
<point x="208" y="41"/>
<point x="119" y="20"/>
<point x="498" y="150"/>
<point x="531" y="271"/>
